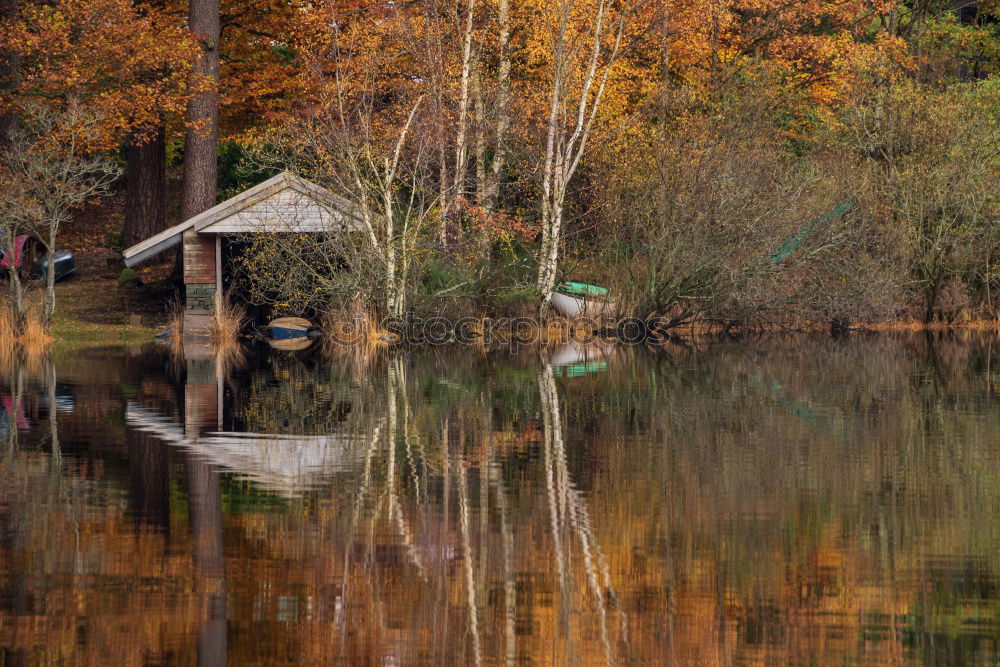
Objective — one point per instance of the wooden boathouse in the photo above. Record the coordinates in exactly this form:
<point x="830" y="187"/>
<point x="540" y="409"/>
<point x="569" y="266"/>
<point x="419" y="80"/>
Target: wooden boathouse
<point x="285" y="203"/>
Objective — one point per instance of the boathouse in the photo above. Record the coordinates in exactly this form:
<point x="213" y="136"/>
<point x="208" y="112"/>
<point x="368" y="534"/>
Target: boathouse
<point x="285" y="203"/>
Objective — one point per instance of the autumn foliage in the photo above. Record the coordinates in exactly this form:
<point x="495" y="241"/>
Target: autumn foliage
<point x="129" y="63"/>
<point x="476" y="85"/>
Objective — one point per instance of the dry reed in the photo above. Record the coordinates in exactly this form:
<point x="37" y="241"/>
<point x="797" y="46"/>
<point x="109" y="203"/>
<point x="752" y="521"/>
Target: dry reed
<point x="27" y="348"/>
<point x="228" y="323"/>
<point x="354" y="328"/>
<point x="33" y="337"/>
<point x="8" y="337"/>
<point x="175" y="324"/>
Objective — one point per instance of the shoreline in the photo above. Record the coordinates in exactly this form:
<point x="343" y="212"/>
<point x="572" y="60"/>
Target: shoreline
<point x="93" y="310"/>
<point x="84" y="335"/>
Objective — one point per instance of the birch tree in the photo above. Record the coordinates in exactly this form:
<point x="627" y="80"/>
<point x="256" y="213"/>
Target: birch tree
<point x="382" y="183"/>
<point x="439" y="44"/>
<point x="56" y="173"/>
<point x="378" y="161"/>
<point x="585" y="43"/>
<point x="488" y="182"/>
<point x="14" y="209"/>
<point x="393" y="240"/>
<point x="461" y="139"/>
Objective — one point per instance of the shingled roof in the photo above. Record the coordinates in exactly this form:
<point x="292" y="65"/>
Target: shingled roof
<point x="284" y="203"/>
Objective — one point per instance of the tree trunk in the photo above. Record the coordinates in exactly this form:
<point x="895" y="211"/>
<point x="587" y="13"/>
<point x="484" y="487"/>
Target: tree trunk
<point x="393" y="298"/>
<point x="145" y="188"/>
<point x="549" y="256"/>
<point x="200" y="152"/>
<point x="435" y="56"/>
<point x="491" y="188"/>
<point x="461" y="148"/>
<point x="445" y="195"/>
<point x="478" y="105"/>
<point x="662" y="113"/>
<point x="49" y="304"/>
<point x="546" y="270"/>
<point x="16" y="289"/>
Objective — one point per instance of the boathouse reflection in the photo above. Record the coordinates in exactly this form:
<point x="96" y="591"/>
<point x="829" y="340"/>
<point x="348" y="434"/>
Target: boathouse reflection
<point x="395" y="487"/>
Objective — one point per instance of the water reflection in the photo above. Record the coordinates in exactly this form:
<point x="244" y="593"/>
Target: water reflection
<point x="799" y="500"/>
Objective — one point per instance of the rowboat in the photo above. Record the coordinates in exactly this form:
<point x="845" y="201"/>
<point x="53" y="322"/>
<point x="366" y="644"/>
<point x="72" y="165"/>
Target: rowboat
<point x="63" y="262"/>
<point x="30" y="258"/>
<point x="582" y="300"/>
<point x="286" y="328"/>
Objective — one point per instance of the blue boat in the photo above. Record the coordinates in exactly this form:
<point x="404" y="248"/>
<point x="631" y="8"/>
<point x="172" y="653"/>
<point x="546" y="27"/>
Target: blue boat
<point x="289" y="328"/>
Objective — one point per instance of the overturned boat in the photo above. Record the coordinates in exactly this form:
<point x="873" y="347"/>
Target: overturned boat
<point x="582" y="300"/>
<point x="291" y="334"/>
<point x="285" y="328"/>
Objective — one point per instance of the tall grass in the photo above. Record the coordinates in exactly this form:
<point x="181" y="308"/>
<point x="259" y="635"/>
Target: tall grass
<point x="352" y="329"/>
<point x="227" y="326"/>
<point x="229" y="321"/>
<point x="28" y="345"/>
<point x="32" y="336"/>
<point x="35" y="337"/>
<point x="8" y="335"/>
<point x="175" y="324"/>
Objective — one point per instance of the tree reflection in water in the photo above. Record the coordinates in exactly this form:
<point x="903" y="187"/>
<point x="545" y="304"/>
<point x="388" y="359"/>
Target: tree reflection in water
<point x="769" y="501"/>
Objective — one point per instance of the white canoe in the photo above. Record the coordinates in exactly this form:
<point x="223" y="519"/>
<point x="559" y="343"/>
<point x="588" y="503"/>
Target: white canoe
<point x="575" y="306"/>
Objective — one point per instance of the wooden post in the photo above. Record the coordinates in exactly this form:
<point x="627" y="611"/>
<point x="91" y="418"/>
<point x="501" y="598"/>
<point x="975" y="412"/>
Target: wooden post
<point x="199" y="288"/>
<point x="199" y="272"/>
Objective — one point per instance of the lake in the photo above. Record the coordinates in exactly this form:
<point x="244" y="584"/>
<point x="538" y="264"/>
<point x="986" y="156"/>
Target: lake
<point x="773" y="500"/>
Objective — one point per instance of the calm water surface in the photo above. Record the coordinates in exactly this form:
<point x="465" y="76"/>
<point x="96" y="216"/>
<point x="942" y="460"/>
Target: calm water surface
<point x="804" y="501"/>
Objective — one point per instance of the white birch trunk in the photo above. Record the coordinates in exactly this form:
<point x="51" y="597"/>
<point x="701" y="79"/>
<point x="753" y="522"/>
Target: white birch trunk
<point x="393" y="300"/>
<point x="396" y="249"/>
<point x="444" y="194"/>
<point x="480" y="132"/>
<point x="491" y="187"/>
<point x="564" y="148"/>
<point x="49" y="310"/>
<point x="461" y="148"/>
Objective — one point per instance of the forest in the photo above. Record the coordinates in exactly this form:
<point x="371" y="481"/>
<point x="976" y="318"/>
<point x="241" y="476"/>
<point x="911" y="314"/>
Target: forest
<point x="732" y="163"/>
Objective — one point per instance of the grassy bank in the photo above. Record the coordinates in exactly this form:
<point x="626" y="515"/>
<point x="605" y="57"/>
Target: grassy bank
<point x="92" y="309"/>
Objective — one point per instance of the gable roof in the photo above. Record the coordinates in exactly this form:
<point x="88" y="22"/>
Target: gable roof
<point x="339" y="211"/>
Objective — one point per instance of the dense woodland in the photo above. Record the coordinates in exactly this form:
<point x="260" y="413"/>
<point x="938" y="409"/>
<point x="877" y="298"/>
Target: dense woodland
<point x="737" y="162"/>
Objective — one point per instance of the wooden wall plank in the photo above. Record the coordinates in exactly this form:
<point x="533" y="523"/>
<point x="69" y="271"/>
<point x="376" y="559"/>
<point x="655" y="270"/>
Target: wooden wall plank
<point x="199" y="258"/>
